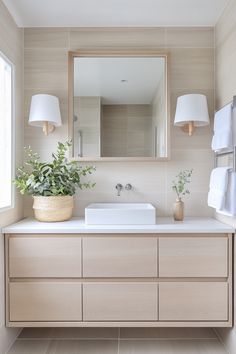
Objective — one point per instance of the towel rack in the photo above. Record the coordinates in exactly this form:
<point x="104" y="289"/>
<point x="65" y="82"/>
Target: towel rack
<point x="224" y="153"/>
<point x="219" y="154"/>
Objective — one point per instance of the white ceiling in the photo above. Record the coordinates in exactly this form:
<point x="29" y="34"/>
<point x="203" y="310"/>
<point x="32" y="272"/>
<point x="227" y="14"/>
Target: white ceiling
<point x="115" y="13"/>
<point x="103" y="77"/>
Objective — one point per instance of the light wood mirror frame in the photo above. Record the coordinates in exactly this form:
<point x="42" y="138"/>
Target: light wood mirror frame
<point x="115" y="53"/>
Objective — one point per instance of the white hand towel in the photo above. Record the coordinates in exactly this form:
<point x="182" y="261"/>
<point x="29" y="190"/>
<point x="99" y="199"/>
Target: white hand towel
<point x="218" y="187"/>
<point x="223" y="129"/>
<point x="230" y="198"/>
<point x="222" y="140"/>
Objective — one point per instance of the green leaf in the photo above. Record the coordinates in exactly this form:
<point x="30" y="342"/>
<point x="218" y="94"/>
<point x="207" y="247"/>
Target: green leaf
<point x="179" y="185"/>
<point x="59" y="177"/>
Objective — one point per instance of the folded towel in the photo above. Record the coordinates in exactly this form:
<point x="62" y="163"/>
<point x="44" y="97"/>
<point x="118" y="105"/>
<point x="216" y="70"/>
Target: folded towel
<point x="230" y="198"/>
<point x="222" y="140"/>
<point x="223" y="118"/>
<point x="218" y="187"/>
<point x="223" y="129"/>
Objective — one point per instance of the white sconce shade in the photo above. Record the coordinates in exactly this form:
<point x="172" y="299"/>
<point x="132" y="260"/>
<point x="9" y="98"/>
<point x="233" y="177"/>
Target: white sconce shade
<point x="192" y="110"/>
<point x="45" y="112"/>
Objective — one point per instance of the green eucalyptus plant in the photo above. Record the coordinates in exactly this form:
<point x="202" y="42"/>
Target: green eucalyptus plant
<point x="57" y="178"/>
<point x="180" y="185"/>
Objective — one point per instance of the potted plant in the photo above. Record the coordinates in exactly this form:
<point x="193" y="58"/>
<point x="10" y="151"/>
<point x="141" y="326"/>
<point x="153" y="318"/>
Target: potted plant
<point x="52" y="184"/>
<point x="180" y="187"/>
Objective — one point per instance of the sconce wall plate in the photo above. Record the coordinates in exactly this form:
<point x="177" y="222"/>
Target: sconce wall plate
<point x="189" y="128"/>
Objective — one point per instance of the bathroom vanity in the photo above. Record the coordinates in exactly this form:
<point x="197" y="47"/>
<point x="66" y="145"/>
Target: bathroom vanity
<point x="172" y="274"/>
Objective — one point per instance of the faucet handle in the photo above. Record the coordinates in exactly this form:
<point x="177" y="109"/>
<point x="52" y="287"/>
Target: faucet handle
<point x="119" y="188"/>
<point x="128" y="187"/>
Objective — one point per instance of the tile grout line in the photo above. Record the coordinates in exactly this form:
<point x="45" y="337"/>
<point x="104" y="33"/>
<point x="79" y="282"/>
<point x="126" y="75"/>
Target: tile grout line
<point x="119" y="339"/>
<point x="118" y="344"/>
<point x="171" y="339"/>
<point x="69" y="339"/>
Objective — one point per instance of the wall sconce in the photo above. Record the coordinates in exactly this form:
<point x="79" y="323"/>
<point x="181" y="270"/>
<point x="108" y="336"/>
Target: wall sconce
<point x="45" y="112"/>
<point x="191" y="112"/>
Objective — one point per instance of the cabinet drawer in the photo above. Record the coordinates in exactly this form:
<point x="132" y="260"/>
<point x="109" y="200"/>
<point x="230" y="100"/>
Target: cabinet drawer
<point x="182" y="301"/>
<point x="45" y="301"/>
<point x="193" y="257"/>
<point x="120" y="256"/>
<point x="40" y="256"/>
<point x="120" y="302"/>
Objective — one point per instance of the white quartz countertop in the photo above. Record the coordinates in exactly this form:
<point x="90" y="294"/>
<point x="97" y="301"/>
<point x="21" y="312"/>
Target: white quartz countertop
<point x="163" y="225"/>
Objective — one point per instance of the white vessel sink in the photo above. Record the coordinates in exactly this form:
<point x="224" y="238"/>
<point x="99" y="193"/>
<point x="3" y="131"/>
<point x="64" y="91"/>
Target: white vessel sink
<point x="120" y="214"/>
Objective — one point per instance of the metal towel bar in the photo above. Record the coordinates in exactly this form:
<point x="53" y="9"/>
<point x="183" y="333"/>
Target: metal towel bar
<point x="219" y="154"/>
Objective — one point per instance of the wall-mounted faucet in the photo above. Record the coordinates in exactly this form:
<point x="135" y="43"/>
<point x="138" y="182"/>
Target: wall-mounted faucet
<point x="119" y="188"/>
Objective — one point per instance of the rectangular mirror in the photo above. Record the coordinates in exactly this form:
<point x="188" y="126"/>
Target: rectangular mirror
<point x="118" y="105"/>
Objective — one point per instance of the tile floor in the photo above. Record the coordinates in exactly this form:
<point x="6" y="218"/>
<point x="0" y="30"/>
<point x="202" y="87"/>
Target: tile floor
<point x="117" y="341"/>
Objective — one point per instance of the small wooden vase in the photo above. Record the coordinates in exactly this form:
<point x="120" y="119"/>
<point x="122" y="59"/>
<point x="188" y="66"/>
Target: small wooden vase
<point x="178" y="210"/>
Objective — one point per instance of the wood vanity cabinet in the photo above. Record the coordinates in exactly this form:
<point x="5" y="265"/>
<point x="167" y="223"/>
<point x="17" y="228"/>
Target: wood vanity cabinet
<point x="119" y="280"/>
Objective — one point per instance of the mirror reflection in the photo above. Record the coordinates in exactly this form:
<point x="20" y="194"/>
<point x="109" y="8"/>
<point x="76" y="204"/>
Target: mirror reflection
<point x="120" y="107"/>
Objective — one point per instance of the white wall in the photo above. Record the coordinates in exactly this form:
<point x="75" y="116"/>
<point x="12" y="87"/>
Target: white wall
<point x="191" y="70"/>
<point x="11" y="44"/>
<point x="225" y="43"/>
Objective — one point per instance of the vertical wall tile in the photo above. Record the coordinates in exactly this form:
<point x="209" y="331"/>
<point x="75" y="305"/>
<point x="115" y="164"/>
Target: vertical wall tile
<point x="192" y="68"/>
<point x="46" y="38"/>
<point x="191" y="37"/>
<point x="126" y="38"/>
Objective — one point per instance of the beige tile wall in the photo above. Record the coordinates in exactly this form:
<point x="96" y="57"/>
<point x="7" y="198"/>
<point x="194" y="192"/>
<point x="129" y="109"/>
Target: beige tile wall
<point x="11" y="44"/>
<point x="225" y="43"/>
<point x="191" y="71"/>
<point x="126" y="130"/>
<point x="225" y="48"/>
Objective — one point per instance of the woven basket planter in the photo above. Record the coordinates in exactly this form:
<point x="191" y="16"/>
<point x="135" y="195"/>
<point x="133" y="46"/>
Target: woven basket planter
<point x="49" y="209"/>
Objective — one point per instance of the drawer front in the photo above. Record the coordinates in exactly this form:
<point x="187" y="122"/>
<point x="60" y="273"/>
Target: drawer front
<point x="40" y="256"/>
<point x="45" y="301"/>
<point x="193" y="256"/>
<point x="120" y="302"/>
<point x="120" y="257"/>
<point x="182" y="301"/>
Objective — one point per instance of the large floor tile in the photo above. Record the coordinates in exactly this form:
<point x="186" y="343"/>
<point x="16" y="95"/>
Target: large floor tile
<point x="83" y="347"/>
<point x="27" y="346"/>
<point x="167" y="333"/>
<point x="126" y="346"/>
<point x="69" y="333"/>
<point x="30" y="347"/>
<point x="212" y="346"/>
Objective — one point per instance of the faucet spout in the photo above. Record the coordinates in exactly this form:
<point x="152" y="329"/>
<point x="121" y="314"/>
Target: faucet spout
<point x="119" y="188"/>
